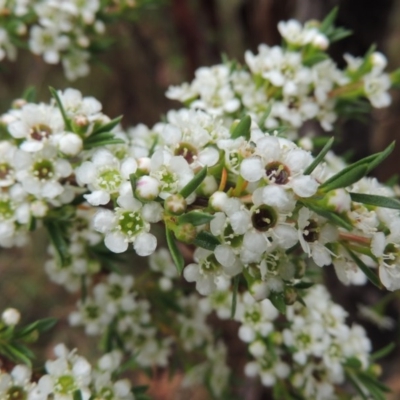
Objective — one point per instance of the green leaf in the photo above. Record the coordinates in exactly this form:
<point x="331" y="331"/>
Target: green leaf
<point x="195" y="218"/>
<point x="29" y="94"/>
<point x="194" y="183"/>
<point x="353" y="362"/>
<point x="383" y="352"/>
<point x="278" y="300"/>
<point x="101" y="143"/>
<point x="336" y="219"/>
<point x="303" y="285"/>
<point x="379" y="157"/>
<point x="206" y="240"/>
<point x="354" y="381"/>
<point x="108" y="126"/>
<point x="175" y="253"/>
<point x="328" y="21"/>
<point x="345" y="178"/>
<point x="132" y="180"/>
<point x="42" y="325"/>
<point x="339" y="34"/>
<point x="234" y="295"/>
<point x="57" y="239"/>
<point x="77" y="395"/>
<point x="315" y="59"/>
<point x="16" y="354"/>
<point x="319" y="157"/>
<point x="265" y="116"/>
<point x="242" y="128"/>
<point x="100" y="136"/>
<point x="67" y="121"/>
<point x="140" y="389"/>
<point x="372" y="277"/>
<point x="374" y="200"/>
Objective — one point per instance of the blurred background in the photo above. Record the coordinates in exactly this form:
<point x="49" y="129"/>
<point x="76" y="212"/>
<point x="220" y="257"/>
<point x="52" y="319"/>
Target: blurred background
<point x="163" y="44"/>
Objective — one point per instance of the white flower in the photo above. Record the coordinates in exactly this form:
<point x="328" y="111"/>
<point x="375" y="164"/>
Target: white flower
<point x="376" y="89"/>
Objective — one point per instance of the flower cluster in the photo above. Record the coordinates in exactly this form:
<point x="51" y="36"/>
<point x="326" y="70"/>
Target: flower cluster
<point x="313" y="348"/>
<point x="250" y="215"/>
<point x="66" y="376"/>
<point x="294" y="83"/>
<point x="66" y="31"/>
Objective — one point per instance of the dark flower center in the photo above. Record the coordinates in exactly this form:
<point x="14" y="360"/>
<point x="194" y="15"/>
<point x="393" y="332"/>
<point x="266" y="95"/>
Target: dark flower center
<point x="264" y="218"/>
<point x="277" y="173"/>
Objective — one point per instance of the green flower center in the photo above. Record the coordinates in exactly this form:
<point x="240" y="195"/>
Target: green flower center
<point x="92" y="312"/>
<point x="168" y="180"/>
<point x="5" y="171"/>
<point x="115" y="291"/>
<point x="6" y="209"/>
<point x="253" y="316"/>
<point x="66" y="384"/>
<point x="109" y="180"/>
<point x="106" y="394"/>
<point x="209" y="264"/>
<point x="43" y="169"/>
<point x="131" y="223"/>
<point x="16" y="393"/>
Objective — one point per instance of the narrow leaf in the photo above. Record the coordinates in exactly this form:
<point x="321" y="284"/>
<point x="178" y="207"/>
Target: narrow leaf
<point x="278" y="300"/>
<point x="195" y="218"/>
<point x="354" y="381"/>
<point x="265" y="116"/>
<point x="234" y="295"/>
<point x="206" y="240"/>
<point x="57" y="239"/>
<point x="304" y="285"/>
<point x="345" y="178"/>
<point x="336" y="219"/>
<point x="108" y="126"/>
<point x="91" y="145"/>
<point x="374" y="200"/>
<point x="175" y="253"/>
<point x="194" y="183"/>
<point x="42" y="325"/>
<point x="329" y="20"/>
<point x="29" y="94"/>
<point x="100" y="136"/>
<point x="242" y="128"/>
<point x="67" y="121"/>
<point x="364" y="268"/>
<point x="381" y="157"/>
<point x="319" y="157"/>
<point x="383" y="352"/>
<point x="314" y="59"/>
<point x="77" y="395"/>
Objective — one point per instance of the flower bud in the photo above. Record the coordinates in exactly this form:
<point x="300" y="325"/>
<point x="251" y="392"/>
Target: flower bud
<point x="11" y="316"/>
<point x="175" y="204"/>
<point x="290" y="295"/>
<point x="19" y="103"/>
<point x="143" y="165"/>
<point x="320" y="42"/>
<point x="218" y="200"/>
<point x="185" y="233"/>
<point x="259" y="290"/>
<point x="70" y="144"/>
<point x="147" y="188"/>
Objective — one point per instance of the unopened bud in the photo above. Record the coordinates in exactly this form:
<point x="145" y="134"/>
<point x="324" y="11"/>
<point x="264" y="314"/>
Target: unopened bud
<point x="290" y="295"/>
<point x="143" y="166"/>
<point x="11" y="316"/>
<point x="147" y="188"/>
<point x="19" y="103"/>
<point x="320" y="42"/>
<point x="259" y="290"/>
<point x="186" y="233"/>
<point x="175" y="204"/>
<point x="80" y="123"/>
<point x="218" y="200"/>
<point x="70" y="144"/>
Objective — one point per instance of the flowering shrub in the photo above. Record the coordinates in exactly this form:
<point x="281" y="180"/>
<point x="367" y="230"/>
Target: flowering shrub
<point x="251" y="213"/>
